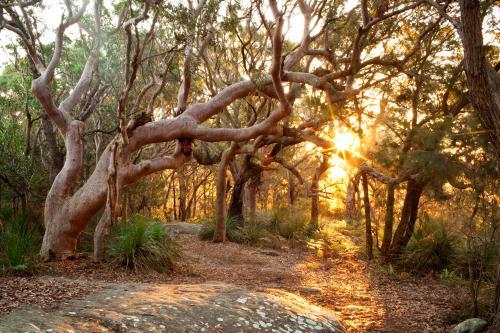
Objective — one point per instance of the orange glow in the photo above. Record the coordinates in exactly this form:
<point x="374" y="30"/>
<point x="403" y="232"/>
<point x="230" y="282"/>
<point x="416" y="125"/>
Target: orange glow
<point x="346" y="141"/>
<point x="338" y="169"/>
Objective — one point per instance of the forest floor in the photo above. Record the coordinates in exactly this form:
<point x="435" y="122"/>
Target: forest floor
<point x="363" y="296"/>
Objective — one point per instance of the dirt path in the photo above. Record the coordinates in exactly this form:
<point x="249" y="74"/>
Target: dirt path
<point x="363" y="298"/>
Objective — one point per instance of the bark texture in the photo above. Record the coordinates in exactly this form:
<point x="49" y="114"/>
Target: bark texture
<point x="368" y="221"/>
<point x="350" y="213"/>
<point x="318" y="173"/>
<point x="110" y="212"/>
<point x="389" y="219"/>
<point x="221" y="187"/>
<point x="248" y="171"/>
<point x="482" y="79"/>
<point x="409" y="216"/>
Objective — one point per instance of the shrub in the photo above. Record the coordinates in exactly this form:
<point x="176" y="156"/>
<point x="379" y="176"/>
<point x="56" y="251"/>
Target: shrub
<point x="277" y="216"/>
<point x="6" y="214"/>
<point x="449" y="276"/>
<point x="255" y="232"/>
<point x="207" y="231"/>
<point x="20" y="239"/>
<point x="431" y="249"/>
<point x="233" y="232"/>
<point x="142" y="244"/>
<point x="289" y="223"/>
<point x="330" y="241"/>
<point x="482" y="255"/>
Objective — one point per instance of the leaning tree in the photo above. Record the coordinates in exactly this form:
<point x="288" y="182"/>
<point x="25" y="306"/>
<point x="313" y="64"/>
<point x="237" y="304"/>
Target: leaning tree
<point x="160" y="49"/>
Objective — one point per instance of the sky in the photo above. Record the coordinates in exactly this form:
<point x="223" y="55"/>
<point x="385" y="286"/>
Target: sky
<point x="51" y="15"/>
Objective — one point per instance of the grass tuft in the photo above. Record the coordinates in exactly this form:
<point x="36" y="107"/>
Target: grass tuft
<point x="20" y="239"/>
<point x="431" y="249"/>
<point x="143" y="245"/>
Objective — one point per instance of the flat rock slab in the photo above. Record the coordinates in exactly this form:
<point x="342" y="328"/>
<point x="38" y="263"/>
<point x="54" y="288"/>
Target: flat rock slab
<point x="176" y="228"/>
<point x="210" y="307"/>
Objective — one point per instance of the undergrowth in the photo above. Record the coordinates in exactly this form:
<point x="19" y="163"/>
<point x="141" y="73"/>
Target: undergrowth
<point x="431" y="249"/>
<point x="20" y="239"/>
<point x="333" y="240"/>
<point x="264" y="229"/>
<point x="142" y="244"/>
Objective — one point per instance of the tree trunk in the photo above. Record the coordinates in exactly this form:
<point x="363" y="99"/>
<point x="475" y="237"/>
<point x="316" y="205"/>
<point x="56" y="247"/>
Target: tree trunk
<point x="252" y="200"/>
<point x="100" y="234"/>
<point x="291" y="188"/>
<point x="248" y="172"/>
<point x="350" y="213"/>
<point x="191" y="205"/>
<point x="368" y="222"/>
<point x="253" y="188"/>
<point x="409" y="216"/>
<point x="264" y="196"/>
<point x="29" y="126"/>
<point x="205" y="201"/>
<point x="322" y="167"/>
<point x="175" y="199"/>
<point x="62" y="227"/>
<point x="125" y="205"/>
<point x="474" y="283"/>
<point x="482" y="79"/>
<point x="182" y="195"/>
<point x="220" y="201"/>
<point x="235" y="211"/>
<point x="59" y="240"/>
<point x="192" y="212"/>
<point x="496" y="300"/>
<point x="111" y="211"/>
<point x="389" y="219"/>
<point x="56" y="156"/>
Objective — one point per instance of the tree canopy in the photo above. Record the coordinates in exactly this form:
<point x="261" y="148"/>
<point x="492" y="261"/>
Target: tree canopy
<point x="195" y="109"/>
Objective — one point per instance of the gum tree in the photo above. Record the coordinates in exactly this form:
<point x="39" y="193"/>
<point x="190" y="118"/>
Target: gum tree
<point x="149" y="72"/>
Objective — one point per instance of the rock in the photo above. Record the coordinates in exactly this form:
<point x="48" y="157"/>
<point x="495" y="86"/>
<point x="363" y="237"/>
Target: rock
<point x="208" y="307"/>
<point x="473" y="325"/>
<point x="309" y="290"/>
<point x="176" y="228"/>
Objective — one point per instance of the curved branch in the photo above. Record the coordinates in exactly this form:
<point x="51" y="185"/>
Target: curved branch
<point x="134" y="172"/>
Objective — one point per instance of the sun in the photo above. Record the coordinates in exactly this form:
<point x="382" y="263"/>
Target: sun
<point x="345" y="141"/>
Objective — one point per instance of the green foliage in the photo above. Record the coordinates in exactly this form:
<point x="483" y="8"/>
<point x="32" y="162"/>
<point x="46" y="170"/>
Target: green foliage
<point x="20" y="239"/>
<point x="482" y="256"/>
<point x="449" y="276"/>
<point x="289" y="222"/>
<point x="14" y="164"/>
<point x="231" y="21"/>
<point x="333" y="240"/>
<point x="207" y="230"/>
<point x="20" y="170"/>
<point x="431" y="249"/>
<point x="256" y="231"/>
<point x="143" y="244"/>
<point x="234" y="233"/>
